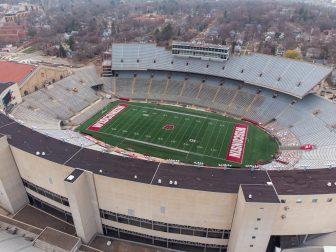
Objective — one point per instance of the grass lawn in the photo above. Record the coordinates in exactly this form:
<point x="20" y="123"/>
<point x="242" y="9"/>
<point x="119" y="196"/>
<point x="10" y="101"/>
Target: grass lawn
<point x="175" y="133"/>
<point x="28" y="50"/>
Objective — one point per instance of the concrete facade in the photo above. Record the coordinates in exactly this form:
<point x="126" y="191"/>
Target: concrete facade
<point x="13" y="195"/>
<point x="253" y="221"/>
<point x="205" y="210"/>
<point x="211" y="210"/>
<point x="83" y="205"/>
<point x="41" y="76"/>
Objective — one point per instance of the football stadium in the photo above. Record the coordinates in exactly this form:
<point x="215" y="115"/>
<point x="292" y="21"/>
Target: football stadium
<point x="188" y="149"/>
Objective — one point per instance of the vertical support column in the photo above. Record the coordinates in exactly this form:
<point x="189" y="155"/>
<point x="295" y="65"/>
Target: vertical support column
<point x="83" y="204"/>
<point x="114" y="85"/>
<point x="256" y="210"/>
<point x="13" y="195"/>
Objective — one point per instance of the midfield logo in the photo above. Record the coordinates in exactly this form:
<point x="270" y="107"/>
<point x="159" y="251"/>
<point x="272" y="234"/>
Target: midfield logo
<point x="168" y="127"/>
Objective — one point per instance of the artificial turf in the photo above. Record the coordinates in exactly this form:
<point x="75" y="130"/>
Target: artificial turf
<point x="190" y="136"/>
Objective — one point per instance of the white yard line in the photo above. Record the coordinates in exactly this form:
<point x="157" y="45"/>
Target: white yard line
<point x="157" y="128"/>
<point x="220" y="150"/>
<point x="196" y="137"/>
<point x="206" y="147"/>
<point x="185" y="132"/>
<point x="177" y="131"/>
<point x="216" y="137"/>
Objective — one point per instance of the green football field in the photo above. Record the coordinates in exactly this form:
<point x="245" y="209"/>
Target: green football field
<point x="180" y="134"/>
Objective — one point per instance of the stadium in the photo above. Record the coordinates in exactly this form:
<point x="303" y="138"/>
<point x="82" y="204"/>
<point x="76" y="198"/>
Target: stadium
<point x="186" y="149"/>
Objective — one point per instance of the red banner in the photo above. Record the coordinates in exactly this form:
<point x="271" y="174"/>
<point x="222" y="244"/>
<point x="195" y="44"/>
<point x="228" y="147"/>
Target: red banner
<point x="307" y="147"/>
<point x="105" y="119"/>
<point x="236" y="148"/>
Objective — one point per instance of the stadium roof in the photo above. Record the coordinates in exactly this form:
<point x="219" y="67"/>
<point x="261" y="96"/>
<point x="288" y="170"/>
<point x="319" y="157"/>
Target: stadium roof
<point x="296" y="78"/>
<point x="14" y="72"/>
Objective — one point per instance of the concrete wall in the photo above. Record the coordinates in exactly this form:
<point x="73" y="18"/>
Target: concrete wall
<point x="307" y="217"/>
<point x="43" y="75"/>
<point x="84" y="207"/>
<point x="13" y="195"/>
<point x="252" y="225"/>
<point x="41" y="172"/>
<point x="181" y="206"/>
<point x="184" y="207"/>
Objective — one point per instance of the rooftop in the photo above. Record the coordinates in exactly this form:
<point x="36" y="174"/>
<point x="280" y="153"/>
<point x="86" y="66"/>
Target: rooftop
<point x="59" y="239"/>
<point x="260" y="193"/>
<point x="41" y="220"/>
<point x="14" y="72"/>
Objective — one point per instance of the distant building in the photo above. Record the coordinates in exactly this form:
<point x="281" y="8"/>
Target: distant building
<point x="12" y="33"/>
<point x="280" y="50"/>
<point x="212" y="32"/>
<point x="30" y="78"/>
<point x="9" y="48"/>
<point x="19" y="12"/>
<point x="297" y="35"/>
<point x="313" y="53"/>
<point x="200" y="50"/>
<point x="279" y="35"/>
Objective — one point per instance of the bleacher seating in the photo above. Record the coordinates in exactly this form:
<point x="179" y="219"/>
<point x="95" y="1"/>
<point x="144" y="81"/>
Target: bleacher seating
<point x="288" y="76"/>
<point x="157" y="89"/>
<point x="35" y="118"/>
<point x="140" y="89"/>
<point x="65" y="98"/>
<point x="173" y="90"/>
<point x="294" y="124"/>
<point x="89" y="112"/>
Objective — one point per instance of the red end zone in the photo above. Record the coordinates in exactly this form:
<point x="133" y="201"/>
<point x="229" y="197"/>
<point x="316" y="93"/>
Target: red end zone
<point x="105" y="119"/>
<point x="236" y="149"/>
